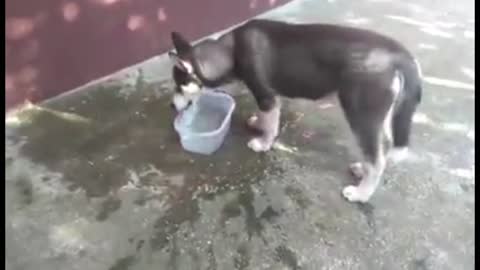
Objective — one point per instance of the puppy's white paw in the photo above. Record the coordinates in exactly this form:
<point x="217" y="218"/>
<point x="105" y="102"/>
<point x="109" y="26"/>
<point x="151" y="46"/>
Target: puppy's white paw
<point x="357" y="170"/>
<point x="259" y="145"/>
<point x="354" y="194"/>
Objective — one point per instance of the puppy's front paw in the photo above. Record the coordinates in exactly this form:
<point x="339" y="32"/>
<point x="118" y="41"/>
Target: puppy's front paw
<point x="354" y="194"/>
<point x="259" y="145"/>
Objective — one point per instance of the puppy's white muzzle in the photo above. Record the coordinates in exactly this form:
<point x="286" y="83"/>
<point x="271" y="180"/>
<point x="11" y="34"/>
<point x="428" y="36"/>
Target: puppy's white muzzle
<point x="189" y="93"/>
<point x="180" y="102"/>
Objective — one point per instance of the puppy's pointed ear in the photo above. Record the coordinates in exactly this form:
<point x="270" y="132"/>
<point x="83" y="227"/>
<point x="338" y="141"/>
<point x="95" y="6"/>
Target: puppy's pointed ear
<point x="180" y="63"/>
<point x="180" y="43"/>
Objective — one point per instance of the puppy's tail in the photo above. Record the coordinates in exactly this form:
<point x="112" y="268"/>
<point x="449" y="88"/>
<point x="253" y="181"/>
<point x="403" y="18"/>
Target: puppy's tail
<point x="408" y="102"/>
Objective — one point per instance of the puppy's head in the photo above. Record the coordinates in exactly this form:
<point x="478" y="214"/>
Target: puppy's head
<point x="187" y="83"/>
<point x="208" y="63"/>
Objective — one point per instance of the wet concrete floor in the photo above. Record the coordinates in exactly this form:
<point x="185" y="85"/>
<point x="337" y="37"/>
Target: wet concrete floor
<point x="96" y="179"/>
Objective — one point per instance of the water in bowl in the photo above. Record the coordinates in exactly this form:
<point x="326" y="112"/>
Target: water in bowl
<point x="207" y="119"/>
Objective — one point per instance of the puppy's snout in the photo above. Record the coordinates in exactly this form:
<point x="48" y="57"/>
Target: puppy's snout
<point x="172" y="106"/>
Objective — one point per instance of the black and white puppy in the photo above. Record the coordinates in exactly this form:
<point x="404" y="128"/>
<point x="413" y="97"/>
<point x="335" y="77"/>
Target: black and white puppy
<point x="377" y="80"/>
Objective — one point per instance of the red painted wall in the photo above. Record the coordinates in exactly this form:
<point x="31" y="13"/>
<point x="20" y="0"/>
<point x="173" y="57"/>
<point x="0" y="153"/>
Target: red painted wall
<point x="53" y="46"/>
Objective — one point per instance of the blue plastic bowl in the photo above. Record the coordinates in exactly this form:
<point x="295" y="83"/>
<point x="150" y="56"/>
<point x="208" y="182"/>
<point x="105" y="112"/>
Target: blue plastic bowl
<point x="203" y="126"/>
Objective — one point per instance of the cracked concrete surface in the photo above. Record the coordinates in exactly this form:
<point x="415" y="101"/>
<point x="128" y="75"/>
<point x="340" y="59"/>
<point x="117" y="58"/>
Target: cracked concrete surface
<point x="96" y="179"/>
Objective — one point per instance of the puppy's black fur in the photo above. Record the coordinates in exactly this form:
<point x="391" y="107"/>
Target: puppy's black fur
<point x="377" y="80"/>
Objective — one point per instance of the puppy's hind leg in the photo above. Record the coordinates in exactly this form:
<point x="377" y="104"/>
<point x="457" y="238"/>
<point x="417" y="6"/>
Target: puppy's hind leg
<point x="372" y="169"/>
<point x="369" y="114"/>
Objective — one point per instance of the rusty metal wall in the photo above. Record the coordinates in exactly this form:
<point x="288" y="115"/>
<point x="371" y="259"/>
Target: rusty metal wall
<point x="53" y="46"/>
